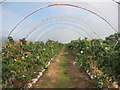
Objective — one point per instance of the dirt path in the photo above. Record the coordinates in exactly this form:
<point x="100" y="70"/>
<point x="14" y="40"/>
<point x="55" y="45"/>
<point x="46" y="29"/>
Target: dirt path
<point x="63" y="74"/>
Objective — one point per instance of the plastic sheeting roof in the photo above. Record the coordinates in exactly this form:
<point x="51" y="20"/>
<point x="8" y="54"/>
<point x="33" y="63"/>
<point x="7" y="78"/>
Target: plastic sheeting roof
<point x="60" y="21"/>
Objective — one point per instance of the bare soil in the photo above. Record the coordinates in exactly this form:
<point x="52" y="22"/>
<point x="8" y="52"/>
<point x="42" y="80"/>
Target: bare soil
<point x="63" y="74"/>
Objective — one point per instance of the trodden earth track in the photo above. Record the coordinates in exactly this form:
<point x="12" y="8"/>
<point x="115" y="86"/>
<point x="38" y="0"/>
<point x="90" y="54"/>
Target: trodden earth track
<point x="63" y="74"/>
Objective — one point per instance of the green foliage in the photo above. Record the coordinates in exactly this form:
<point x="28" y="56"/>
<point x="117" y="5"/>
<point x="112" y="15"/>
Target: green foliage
<point x="105" y="54"/>
<point x="21" y="62"/>
<point x="10" y="39"/>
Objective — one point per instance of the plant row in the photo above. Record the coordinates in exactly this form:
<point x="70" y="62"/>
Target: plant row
<point x="99" y="58"/>
<point x="23" y="60"/>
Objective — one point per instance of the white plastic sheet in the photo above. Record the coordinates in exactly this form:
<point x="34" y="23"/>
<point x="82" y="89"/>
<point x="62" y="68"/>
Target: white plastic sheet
<point x="42" y="22"/>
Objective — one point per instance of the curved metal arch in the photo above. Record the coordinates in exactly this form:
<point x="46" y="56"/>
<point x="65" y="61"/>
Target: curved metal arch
<point x="54" y="36"/>
<point x="61" y="5"/>
<point x="51" y="30"/>
<point x="118" y="2"/>
<point x="73" y="26"/>
<point x="75" y="20"/>
<point x="55" y="33"/>
<point x="64" y="20"/>
<point x="2" y="1"/>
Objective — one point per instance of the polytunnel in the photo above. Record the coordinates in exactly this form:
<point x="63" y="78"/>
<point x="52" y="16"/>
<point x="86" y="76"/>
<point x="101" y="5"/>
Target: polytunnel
<point x="59" y="22"/>
<point x="34" y="19"/>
